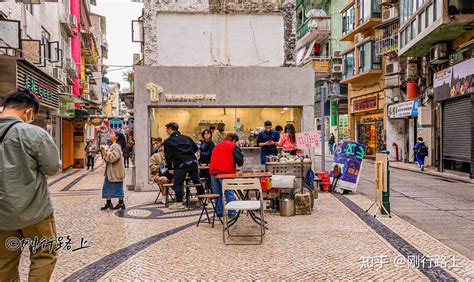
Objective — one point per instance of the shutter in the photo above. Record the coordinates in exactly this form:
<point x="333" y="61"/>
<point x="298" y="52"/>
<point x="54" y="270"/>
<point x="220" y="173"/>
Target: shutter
<point x="457" y="120"/>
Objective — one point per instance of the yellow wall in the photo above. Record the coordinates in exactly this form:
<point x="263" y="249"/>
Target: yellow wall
<point x="250" y="118"/>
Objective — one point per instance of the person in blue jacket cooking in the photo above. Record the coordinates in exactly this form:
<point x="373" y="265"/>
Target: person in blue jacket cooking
<point x="267" y="140"/>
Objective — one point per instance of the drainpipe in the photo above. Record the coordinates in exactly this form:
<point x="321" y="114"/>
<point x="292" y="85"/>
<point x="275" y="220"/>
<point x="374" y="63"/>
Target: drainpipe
<point x="396" y="151"/>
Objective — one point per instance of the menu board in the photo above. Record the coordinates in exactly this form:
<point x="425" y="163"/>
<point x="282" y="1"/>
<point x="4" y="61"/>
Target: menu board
<point x="348" y="156"/>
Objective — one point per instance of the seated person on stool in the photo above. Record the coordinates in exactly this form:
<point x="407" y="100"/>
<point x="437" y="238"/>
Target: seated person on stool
<point x="159" y="172"/>
<point x="223" y="160"/>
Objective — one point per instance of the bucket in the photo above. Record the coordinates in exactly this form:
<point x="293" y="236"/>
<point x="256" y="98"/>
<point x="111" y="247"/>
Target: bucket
<point x="287" y="207"/>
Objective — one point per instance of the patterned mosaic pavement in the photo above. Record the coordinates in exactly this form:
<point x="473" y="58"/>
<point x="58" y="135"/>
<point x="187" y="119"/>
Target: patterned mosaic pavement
<point x="150" y="242"/>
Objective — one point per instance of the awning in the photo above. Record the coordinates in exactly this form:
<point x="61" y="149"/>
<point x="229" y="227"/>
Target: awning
<point x="87" y="101"/>
<point x="71" y="98"/>
<point x="80" y="113"/>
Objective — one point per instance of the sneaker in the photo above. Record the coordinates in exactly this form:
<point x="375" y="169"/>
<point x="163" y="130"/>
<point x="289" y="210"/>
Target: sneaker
<point x="177" y="206"/>
<point x="163" y="200"/>
<point x="422" y="168"/>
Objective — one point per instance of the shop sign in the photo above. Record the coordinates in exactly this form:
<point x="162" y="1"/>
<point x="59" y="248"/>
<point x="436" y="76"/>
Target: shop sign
<point x="39" y="88"/>
<point x="190" y="97"/>
<point x="348" y="156"/>
<point x="405" y="109"/>
<point x="66" y="108"/>
<point x="334" y="112"/>
<point x="155" y="90"/>
<point x="454" y="81"/>
<point x="308" y="139"/>
<point x="365" y="104"/>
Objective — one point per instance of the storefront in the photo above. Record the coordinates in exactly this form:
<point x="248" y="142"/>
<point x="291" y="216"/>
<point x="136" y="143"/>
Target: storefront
<point x="404" y="116"/>
<point x="20" y="74"/>
<point x="196" y="98"/>
<point x="367" y="116"/>
<point x="454" y="90"/>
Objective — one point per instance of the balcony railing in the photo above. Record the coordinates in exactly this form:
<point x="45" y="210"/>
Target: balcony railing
<point x="320" y="64"/>
<point x="386" y="45"/>
<point x="315" y="26"/>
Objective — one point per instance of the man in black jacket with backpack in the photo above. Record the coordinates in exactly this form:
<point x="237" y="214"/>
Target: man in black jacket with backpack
<point x="180" y="155"/>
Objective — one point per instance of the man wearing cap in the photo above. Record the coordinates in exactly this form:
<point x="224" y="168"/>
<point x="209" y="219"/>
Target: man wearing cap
<point x="267" y="140"/>
<point x="180" y="155"/>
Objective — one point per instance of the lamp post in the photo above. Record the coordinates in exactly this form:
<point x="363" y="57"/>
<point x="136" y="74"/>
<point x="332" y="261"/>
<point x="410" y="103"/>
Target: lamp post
<point x="322" y="101"/>
<point x="334" y="95"/>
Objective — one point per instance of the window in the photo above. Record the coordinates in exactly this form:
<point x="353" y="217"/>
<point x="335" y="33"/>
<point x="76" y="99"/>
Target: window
<point x="348" y="20"/>
<point x="368" y="60"/>
<point x="402" y="38"/>
<point x="413" y="29"/>
<point x="430" y="14"/>
<point x="421" y="23"/>
<point x="434" y="10"/>
<point x="349" y="68"/>
<point x="46" y="39"/>
<point x="368" y="9"/>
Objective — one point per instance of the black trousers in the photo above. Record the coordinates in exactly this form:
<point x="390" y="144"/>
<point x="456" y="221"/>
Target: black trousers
<point x="90" y="162"/>
<point x="179" y="177"/>
<point x="126" y="161"/>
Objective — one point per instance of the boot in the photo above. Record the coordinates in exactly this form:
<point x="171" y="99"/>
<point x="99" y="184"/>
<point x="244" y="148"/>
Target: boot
<point x="120" y="205"/>
<point x="108" y="205"/>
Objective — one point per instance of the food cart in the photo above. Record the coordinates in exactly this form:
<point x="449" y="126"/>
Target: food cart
<point x="288" y="173"/>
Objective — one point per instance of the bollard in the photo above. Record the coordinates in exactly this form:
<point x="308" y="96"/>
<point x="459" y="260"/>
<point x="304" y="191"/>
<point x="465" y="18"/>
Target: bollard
<point x="386" y="190"/>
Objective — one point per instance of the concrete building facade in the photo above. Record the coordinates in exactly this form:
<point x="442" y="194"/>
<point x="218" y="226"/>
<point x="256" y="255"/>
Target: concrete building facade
<point x="218" y="61"/>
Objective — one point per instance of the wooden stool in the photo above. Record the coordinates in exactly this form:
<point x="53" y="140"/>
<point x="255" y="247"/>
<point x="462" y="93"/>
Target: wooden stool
<point x="205" y="199"/>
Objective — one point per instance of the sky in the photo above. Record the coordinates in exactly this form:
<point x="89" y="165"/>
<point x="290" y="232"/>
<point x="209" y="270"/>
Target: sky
<point x="119" y="14"/>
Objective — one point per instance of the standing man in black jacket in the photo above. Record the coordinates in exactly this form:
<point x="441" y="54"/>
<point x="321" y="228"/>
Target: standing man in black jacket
<point x="180" y="154"/>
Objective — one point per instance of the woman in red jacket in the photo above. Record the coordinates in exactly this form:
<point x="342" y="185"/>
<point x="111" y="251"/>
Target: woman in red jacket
<point x="225" y="156"/>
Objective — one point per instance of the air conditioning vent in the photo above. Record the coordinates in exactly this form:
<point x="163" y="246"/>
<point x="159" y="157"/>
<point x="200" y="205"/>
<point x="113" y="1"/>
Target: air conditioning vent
<point x="392" y="68"/>
<point x="336" y="68"/>
<point x="336" y="55"/>
<point x="72" y="21"/>
<point x="439" y="53"/>
<point x="358" y="38"/>
<point x="390" y="13"/>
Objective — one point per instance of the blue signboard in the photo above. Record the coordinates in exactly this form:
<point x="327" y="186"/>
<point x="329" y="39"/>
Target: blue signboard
<point x="348" y="156"/>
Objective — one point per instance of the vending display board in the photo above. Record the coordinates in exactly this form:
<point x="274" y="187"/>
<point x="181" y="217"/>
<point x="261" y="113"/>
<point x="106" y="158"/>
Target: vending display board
<point x="348" y="156"/>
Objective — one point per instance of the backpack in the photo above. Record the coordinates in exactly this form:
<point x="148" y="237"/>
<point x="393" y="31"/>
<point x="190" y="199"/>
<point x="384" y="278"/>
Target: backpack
<point x="422" y="150"/>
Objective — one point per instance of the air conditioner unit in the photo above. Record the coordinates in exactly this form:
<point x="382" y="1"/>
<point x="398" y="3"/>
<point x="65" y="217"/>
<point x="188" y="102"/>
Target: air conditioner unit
<point x="336" y="55"/>
<point x="392" y="68"/>
<point x="390" y="13"/>
<point x="58" y="74"/>
<point x="336" y="68"/>
<point x="358" y="38"/>
<point x="439" y="53"/>
<point x="72" y="21"/>
<point x="86" y="88"/>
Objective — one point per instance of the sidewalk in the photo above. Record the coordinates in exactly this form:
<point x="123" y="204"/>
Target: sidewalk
<point x="431" y="171"/>
<point x="339" y="240"/>
<point x="414" y="168"/>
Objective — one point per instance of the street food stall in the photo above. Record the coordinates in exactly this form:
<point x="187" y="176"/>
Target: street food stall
<point x="196" y="98"/>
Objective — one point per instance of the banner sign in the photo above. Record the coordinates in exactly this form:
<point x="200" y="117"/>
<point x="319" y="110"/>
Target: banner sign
<point x="348" y="156"/>
<point x="308" y="139"/>
<point x="405" y="109"/>
<point x="454" y="81"/>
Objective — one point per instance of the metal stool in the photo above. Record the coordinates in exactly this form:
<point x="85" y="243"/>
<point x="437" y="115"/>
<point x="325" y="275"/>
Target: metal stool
<point x="205" y="199"/>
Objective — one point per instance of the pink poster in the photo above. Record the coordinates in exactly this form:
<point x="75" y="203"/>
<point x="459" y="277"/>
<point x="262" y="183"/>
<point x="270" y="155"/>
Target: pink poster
<point x="308" y="139"/>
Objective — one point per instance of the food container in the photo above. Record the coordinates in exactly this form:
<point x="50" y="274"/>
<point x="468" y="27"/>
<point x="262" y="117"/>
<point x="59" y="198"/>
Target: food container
<point x="287" y="207"/>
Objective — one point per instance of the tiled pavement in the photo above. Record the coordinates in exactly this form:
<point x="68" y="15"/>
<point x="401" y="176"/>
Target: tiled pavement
<point x="150" y="243"/>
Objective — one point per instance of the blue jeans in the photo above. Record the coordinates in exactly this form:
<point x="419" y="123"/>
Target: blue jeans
<point x="216" y="185"/>
<point x="420" y="160"/>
